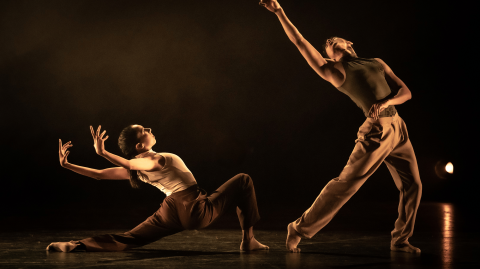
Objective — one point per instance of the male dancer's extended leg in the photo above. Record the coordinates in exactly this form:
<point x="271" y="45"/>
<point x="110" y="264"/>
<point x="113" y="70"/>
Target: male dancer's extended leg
<point x="376" y="139"/>
<point x="403" y="167"/>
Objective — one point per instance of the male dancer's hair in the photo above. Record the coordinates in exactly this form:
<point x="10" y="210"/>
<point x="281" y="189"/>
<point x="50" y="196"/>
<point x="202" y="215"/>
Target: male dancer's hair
<point x="324" y="46"/>
<point x="127" y="141"/>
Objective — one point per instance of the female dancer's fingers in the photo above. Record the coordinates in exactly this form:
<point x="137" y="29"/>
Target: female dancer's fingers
<point x="105" y="138"/>
<point x="59" y="144"/>
<point x="66" y="145"/>
<point x="98" y="129"/>
<point x="62" y="149"/>
<point x="91" y="131"/>
<point x="102" y="134"/>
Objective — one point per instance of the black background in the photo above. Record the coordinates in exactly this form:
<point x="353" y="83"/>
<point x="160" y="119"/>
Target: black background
<point x="221" y="86"/>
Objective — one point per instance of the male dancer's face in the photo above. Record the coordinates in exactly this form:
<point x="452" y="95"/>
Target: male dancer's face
<point x="337" y="48"/>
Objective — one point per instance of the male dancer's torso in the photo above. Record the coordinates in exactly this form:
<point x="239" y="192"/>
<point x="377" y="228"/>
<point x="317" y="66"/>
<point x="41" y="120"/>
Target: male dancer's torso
<point x="364" y="82"/>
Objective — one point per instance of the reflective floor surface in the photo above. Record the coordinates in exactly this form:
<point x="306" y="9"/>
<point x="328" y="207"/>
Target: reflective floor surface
<point x="357" y="238"/>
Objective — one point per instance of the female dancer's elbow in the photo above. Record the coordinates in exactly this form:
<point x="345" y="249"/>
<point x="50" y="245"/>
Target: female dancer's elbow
<point x="99" y="175"/>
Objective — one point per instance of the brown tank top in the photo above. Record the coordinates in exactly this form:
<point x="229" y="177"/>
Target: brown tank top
<point x="365" y="84"/>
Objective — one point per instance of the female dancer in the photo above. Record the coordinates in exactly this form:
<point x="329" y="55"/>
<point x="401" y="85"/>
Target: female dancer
<point x="186" y="205"/>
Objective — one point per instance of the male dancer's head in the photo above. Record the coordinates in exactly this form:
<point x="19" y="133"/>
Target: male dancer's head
<point x="338" y="48"/>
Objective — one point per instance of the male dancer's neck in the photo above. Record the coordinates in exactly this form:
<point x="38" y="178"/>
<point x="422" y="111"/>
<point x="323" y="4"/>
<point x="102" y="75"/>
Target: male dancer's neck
<point x="347" y="57"/>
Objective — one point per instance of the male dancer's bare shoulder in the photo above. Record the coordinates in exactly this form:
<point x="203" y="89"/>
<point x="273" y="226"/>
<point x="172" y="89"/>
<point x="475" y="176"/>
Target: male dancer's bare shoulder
<point x="334" y="72"/>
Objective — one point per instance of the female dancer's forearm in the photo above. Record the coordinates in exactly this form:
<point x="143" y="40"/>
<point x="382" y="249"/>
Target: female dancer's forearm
<point x="117" y="160"/>
<point x="290" y="29"/>
<point x="85" y="171"/>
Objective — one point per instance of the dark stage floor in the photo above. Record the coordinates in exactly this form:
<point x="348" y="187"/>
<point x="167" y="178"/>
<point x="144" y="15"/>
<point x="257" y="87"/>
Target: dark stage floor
<point x="357" y="238"/>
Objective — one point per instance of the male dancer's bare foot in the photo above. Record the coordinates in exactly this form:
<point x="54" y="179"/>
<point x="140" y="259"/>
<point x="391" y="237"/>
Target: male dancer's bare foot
<point x="252" y="244"/>
<point x="62" y="246"/>
<point x="293" y="238"/>
<point x="405" y="247"/>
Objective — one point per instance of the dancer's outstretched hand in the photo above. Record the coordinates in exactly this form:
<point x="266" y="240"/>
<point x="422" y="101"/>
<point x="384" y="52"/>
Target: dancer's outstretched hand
<point x="63" y="152"/>
<point x="271" y="5"/>
<point x="98" y="140"/>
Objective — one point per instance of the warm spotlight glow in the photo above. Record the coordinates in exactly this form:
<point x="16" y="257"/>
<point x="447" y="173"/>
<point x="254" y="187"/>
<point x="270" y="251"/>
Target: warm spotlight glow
<point x="449" y="168"/>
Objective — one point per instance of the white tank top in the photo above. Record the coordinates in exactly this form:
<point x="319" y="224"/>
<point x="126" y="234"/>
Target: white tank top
<point x="173" y="177"/>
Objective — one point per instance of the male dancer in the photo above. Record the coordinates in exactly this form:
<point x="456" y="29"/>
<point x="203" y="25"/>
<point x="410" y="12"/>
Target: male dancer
<point x="382" y="137"/>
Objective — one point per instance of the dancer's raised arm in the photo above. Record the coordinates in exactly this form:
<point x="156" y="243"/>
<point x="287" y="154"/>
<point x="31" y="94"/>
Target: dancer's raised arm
<point x="147" y="163"/>
<point x="323" y="67"/>
<point x="109" y="173"/>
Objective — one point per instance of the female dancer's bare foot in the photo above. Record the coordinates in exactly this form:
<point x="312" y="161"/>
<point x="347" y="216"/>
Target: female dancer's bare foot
<point x="62" y="246"/>
<point x="405" y="247"/>
<point x="293" y="238"/>
<point x="252" y="244"/>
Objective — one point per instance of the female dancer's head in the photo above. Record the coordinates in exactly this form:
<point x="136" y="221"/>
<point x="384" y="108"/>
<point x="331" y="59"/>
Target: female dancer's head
<point x="336" y="48"/>
<point x="133" y="140"/>
<point x="136" y="139"/>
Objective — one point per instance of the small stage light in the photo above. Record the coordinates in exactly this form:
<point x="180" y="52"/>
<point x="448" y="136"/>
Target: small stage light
<point x="449" y="168"/>
<point x="444" y="169"/>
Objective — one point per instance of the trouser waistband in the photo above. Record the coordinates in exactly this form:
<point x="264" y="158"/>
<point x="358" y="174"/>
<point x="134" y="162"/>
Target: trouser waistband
<point x="384" y="120"/>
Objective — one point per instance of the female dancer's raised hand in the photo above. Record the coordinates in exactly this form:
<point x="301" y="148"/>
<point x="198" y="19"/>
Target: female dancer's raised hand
<point x="98" y="140"/>
<point x="63" y="152"/>
<point x="271" y="5"/>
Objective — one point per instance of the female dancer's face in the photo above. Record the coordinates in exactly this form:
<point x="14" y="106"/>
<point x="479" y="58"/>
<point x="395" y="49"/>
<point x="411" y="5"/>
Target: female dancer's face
<point x="145" y="137"/>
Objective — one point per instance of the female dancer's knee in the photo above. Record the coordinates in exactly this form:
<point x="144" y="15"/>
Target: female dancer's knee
<point x="245" y="179"/>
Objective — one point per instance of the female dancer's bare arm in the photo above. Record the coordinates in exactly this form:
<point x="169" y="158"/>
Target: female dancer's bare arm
<point x="147" y="163"/>
<point x="323" y="67"/>
<point x="118" y="173"/>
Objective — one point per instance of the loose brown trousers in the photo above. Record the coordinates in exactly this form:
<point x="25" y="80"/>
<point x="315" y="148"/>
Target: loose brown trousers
<point x="383" y="140"/>
<point x="185" y="210"/>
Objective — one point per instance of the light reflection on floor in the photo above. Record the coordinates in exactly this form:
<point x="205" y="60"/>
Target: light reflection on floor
<point x="442" y="231"/>
<point x="448" y="234"/>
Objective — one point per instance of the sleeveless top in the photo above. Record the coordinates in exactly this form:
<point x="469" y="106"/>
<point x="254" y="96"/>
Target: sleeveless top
<point x="365" y="84"/>
<point x="173" y="177"/>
